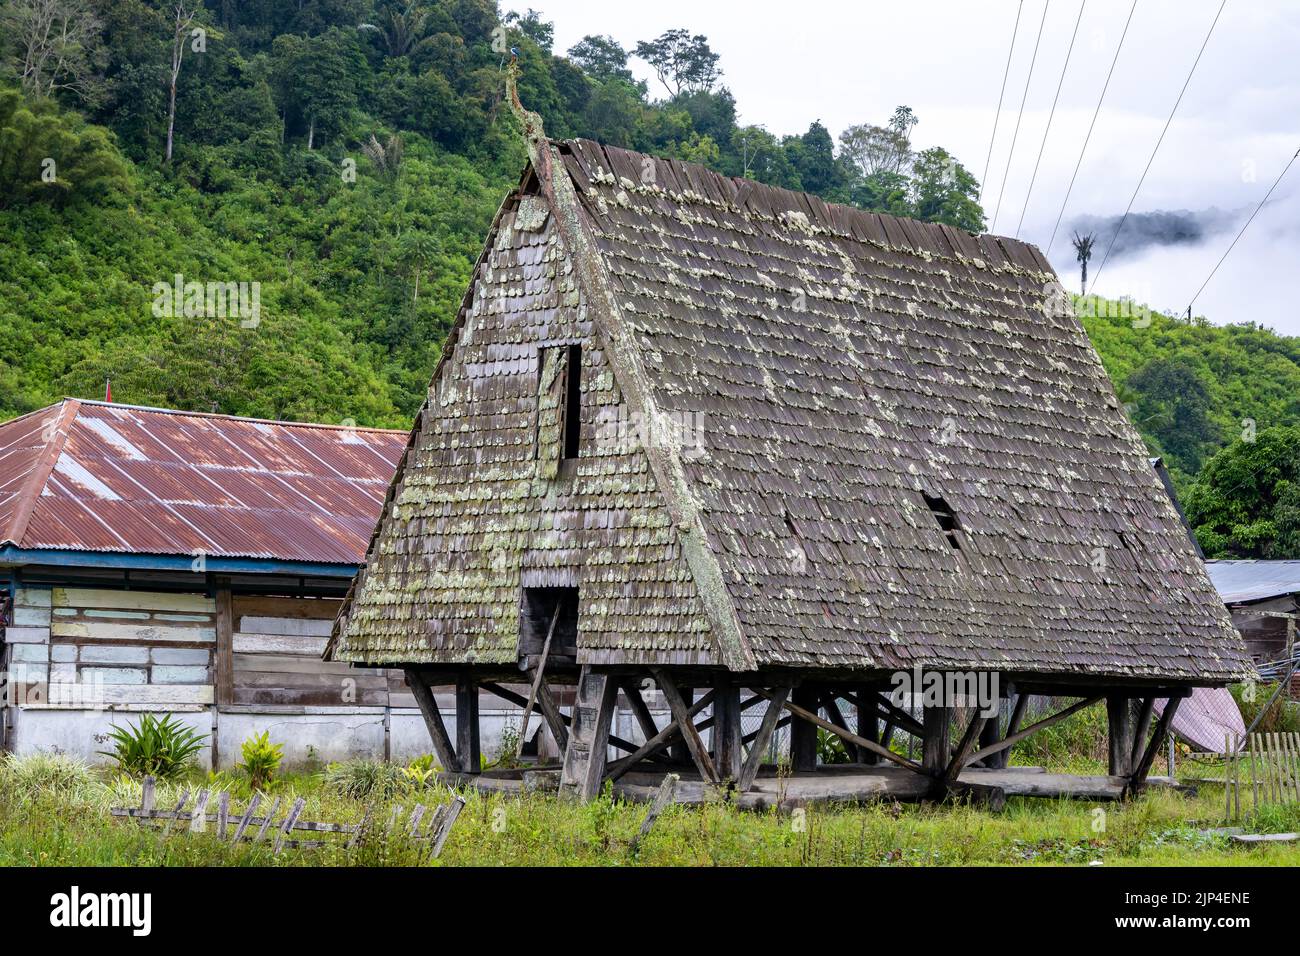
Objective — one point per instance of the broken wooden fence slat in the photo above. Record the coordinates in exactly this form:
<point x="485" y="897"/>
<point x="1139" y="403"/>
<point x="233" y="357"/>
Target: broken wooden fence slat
<point x="445" y="824"/>
<point x="247" y="818"/>
<point x="185" y="798"/>
<point x="289" y="821"/>
<point x="198" y="819"/>
<point x="261" y="831"/>
<point x="434" y="835"/>
<point x="662" y="799"/>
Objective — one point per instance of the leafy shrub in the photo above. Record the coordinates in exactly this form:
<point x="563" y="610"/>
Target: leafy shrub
<point x="261" y="759"/>
<point x="154" y="746"/>
<point x="41" y="774"/>
<point x="359" y="779"/>
<point x="421" y="771"/>
<point x="830" y="748"/>
<point x="1282" y="716"/>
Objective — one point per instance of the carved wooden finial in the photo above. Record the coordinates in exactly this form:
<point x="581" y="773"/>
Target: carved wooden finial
<point x="534" y="133"/>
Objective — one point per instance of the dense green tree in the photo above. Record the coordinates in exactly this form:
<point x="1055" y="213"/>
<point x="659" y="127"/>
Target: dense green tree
<point x="1173" y="406"/>
<point x="1246" y="502"/>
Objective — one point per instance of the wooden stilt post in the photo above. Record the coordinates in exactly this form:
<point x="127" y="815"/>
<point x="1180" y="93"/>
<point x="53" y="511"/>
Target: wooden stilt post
<point x="936" y="746"/>
<point x="726" y="732"/>
<point x="868" y="724"/>
<point x="428" y="705"/>
<point x="1121" y="727"/>
<point x="467" y="743"/>
<point x="989" y="735"/>
<point x="803" y="735"/>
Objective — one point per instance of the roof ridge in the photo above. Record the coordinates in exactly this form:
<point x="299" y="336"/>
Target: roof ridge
<point x="30" y="492"/>
<point x="236" y="418"/>
<point x="742" y="192"/>
<point x="624" y="357"/>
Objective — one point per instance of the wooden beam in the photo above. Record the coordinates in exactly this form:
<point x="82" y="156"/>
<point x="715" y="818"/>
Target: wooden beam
<point x="682" y="715"/>
<point x="537" y="680"/>
<point x="1142" y="728"/>
<point x="899" y="718"/>
<point x="1138" y="778"/>
<point x="958" y="760"/>
<point x="467" y="734"/>
<point x="852" y="738"/>
<point x="545" y="702"/>
<point x="749" y="772"/>
<point x="424" y="699"/>
<point x="640" y="710"/>
<point x="1011" y="740"/>
<point x="658" y="742"/>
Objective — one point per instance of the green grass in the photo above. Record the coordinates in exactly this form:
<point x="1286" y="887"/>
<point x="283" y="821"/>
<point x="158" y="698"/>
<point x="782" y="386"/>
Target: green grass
<point x="67" y="823"/>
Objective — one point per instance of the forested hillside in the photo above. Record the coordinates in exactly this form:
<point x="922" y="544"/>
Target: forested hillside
<point x="344" y="158"/>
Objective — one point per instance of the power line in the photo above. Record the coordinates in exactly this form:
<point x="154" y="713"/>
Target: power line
<point x="1050" y="115"/>
<point x="1151" y="159"/>
<point x="1241" y="231"/>
<point x="1001" y="93"/>
<point x="1105" y="86"/>
<point x="1015" y="135"/>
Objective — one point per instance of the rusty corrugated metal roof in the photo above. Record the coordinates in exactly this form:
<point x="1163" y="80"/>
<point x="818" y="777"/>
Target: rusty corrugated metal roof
<point x="95" y="476"/>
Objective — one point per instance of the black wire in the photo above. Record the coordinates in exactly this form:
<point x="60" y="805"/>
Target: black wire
<point x="1239" y="234"/>
<point x="1151" y="159"/>
<point x="1016" y="134"/>
<point x="998" y="115"/>
<point x="1105" y="86"/>
<point x="1050" y="115"/>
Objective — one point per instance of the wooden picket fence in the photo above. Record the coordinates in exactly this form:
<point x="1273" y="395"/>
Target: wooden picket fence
<point x="1273" y="762"/>
<point x="430" y="833"/>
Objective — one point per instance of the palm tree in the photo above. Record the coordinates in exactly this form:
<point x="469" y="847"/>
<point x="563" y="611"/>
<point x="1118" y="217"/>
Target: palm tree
<point x="1083" y="252"/>
<point x="403" y="29"/>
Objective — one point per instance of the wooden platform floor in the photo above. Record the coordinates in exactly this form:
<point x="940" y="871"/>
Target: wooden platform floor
<point x="844" y="783"/>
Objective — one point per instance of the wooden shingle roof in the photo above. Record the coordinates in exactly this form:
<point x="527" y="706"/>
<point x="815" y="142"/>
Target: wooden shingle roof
<point x="910" y="452"/>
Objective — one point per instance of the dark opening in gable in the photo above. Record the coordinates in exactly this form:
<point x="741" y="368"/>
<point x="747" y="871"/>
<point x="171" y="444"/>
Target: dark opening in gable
<point x="573" y="403"/>
<point x="945" y="516"/>
<point x="539" y="608"/>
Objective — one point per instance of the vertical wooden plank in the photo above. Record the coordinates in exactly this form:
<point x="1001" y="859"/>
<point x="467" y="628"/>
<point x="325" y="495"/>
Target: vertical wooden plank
<point x="224" y="663"/>
<point x="147" y="794"/>
<point x="803" y="735"/>
<point x="467" y="733"/>
<point x="223" y="814"/>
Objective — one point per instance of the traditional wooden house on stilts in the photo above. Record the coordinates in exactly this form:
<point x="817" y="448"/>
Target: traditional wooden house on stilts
<point x="753" y="450"/>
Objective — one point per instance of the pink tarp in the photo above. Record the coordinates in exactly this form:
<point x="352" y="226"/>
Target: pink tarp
<point x="1204" y="718"/>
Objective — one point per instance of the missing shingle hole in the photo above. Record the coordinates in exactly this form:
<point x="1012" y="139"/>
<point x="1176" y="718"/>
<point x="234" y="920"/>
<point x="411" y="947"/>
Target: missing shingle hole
<point x="945" y="517"/>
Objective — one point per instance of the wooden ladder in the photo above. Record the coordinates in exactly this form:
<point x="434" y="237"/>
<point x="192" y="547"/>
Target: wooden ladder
<point x="584" y="758"/>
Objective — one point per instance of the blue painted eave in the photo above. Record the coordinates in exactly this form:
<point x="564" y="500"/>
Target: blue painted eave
<point x="55" y="557"/>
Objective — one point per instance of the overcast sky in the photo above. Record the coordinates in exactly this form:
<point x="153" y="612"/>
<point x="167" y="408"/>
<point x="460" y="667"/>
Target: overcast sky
<point x="1236" y="128"/>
